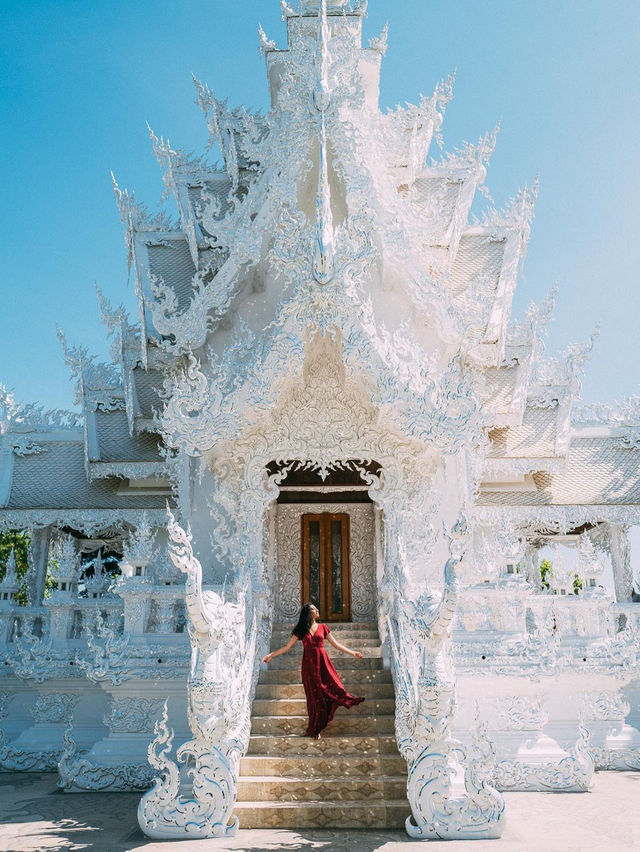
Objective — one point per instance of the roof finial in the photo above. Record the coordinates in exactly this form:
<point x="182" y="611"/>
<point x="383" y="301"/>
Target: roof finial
<point x="380" y="43"/>
<point x="266" y="44"/>
<point x="321" y="94"/>
<point x="287" y="11"/>
<point x="323" y="240"/>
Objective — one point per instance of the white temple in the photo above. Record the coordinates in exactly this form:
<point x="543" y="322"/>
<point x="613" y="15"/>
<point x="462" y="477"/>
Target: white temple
<point x="324" y="396"/>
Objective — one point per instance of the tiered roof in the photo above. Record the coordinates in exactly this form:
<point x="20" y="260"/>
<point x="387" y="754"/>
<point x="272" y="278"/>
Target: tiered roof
<point x="222" y="270"/>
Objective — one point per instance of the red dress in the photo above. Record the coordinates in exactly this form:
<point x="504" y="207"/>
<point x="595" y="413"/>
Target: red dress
<point x="322" y="685"/>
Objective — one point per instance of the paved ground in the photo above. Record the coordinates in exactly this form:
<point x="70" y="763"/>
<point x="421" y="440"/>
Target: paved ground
<point x="34" y="815"/>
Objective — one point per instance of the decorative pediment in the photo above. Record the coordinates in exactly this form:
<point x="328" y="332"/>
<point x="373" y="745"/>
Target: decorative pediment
<point x="322" y="416"/>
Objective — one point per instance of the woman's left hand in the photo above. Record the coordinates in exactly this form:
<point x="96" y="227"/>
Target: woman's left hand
<point x="357" y="655"/>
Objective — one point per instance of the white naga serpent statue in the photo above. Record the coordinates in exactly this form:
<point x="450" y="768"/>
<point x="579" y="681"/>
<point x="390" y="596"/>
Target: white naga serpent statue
<point x="199" y="802"/>
<point x="446" y="803"/>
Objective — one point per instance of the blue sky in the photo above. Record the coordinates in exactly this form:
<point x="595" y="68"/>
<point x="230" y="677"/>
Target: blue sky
<point x="81" y="78"/>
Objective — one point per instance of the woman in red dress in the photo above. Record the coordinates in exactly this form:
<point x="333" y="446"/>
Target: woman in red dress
<point x="322" y="685"/>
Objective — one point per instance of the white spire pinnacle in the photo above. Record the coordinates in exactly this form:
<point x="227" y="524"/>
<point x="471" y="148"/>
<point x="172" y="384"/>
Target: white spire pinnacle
<point x="336" y="7"/>
<point x="10" y="577"/>
<point x="323" y="239"/>
<point x="266" y="44"/>
<point x="321" y="94"/>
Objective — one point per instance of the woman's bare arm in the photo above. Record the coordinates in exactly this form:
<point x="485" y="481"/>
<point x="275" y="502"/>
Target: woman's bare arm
<point x="282" y="650"/>
<point x="342" y="648"/>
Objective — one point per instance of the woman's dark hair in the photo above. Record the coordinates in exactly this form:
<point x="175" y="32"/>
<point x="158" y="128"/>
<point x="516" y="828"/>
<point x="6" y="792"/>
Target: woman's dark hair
<point x="305" y="620"/>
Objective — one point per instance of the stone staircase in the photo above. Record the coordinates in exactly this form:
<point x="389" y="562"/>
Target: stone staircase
<point x="354" y="776"/>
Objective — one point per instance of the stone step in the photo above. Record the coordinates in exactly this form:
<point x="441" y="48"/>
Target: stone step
<point x="345" y="722"/>
<point x="371" y="659"/>
<point x="283" y="691"/>
<point x="356" y="626"/>
<point x="325" y="766"/>
<point x="331" y="744"/>
<point x="341" y="634"/>
<point x="357" y="643"/>
<point x="353" y="776"/>
<point x="303" y="789"/>
<point x="296" y="815"/>
<point x="292" y="676"/>
<point x="298" y="707"/>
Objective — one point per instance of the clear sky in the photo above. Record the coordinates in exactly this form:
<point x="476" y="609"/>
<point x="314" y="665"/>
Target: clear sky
<point x="79" y="80"/>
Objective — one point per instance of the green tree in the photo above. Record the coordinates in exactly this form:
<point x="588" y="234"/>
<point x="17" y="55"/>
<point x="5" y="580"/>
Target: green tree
<point x="577" y="584"/>
<point x="546" y="573"/>
<point x="18" y="541"/>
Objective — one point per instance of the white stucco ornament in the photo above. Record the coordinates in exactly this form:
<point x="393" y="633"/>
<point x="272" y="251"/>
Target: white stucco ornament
<point x="220" y="684"/>
<point x="424" y="675"/>
<point x="325" y="327"/>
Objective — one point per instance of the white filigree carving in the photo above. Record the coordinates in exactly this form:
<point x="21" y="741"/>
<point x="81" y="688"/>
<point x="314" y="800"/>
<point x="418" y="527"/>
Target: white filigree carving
<point x="221" y="685"/>
<point x="77" y="772"/>
<point x="523" y="713"/>
<point x="573" y="773"/>
<point x="108" y="652"/>
<point x="605" y="706"/>
<point x="625" y="412"/>
<point x="616" y="759"/>
<point x="139" y="550"/>
<point x="132" y="715"/>
<point x="26" y="417"/>
<point x="33" y="657"/>
<point x="425" y="687"/>
<point x="91" y="521"/>
<point x="53" y="706"/>
<point x="25" y="760"/>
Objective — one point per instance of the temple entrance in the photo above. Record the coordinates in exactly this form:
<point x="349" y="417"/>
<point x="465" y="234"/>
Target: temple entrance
<point x="326" y="573"/>
<point x="323" y="544"/>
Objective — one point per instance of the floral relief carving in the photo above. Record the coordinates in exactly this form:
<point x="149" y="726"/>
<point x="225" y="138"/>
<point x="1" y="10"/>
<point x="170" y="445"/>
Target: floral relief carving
<point x="53" y="707"/>
<point x="573" y="773"/>
<point x="288" y="591"/>
<point x="616" y="759"/>
<point x="523" y="713"/>
<point x="25" y="760"/>
<point x="76" y="771"/>
<point x="133" y="715"/>
<point x="605" y="706"/>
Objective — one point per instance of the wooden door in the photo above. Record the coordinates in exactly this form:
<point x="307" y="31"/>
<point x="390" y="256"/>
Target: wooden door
<point x="326" y="576"/>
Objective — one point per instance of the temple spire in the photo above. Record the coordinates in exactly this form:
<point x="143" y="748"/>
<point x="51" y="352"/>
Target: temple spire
<point x="321" y="94"/>
<point x="335" y="7"/>
<point x="323" y="238"/>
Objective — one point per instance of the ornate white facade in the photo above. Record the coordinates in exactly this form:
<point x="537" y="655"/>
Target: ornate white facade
<point x="325" y="310"/>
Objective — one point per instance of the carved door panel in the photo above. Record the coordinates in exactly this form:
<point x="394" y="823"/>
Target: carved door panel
<point x="326" y="576"/>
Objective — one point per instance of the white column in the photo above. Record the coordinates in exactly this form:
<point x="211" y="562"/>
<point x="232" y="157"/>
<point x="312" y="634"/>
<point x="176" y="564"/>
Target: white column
<point x="38" y="558"/>
<point x="620" y="561"/>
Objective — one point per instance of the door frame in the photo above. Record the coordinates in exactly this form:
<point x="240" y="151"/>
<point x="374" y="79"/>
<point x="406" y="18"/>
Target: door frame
<point x="325" y="518"/>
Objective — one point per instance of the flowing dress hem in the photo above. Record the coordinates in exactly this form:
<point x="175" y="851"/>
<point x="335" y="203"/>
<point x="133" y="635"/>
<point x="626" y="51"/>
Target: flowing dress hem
<point x="322" y="685"/>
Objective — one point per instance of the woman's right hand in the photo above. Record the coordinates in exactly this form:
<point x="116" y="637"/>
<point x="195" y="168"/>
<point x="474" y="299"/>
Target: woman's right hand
<point x="268" y="658"/>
